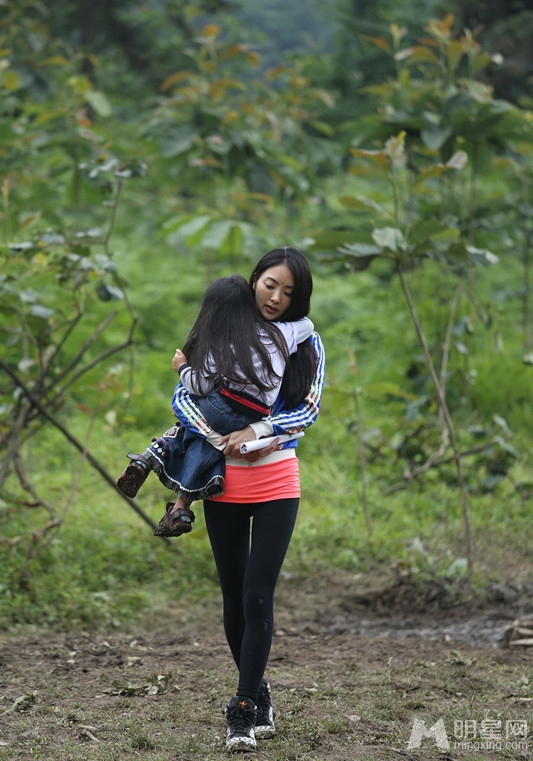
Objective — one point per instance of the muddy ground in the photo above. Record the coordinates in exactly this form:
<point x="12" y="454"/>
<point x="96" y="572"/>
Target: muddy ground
<point x="354" y="662"/>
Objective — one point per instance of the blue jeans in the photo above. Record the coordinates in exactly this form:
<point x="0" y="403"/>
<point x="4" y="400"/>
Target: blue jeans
<point x="186" y="462"/>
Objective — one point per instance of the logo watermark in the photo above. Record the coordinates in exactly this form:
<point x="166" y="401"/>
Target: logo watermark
<point x="472" y="734"/>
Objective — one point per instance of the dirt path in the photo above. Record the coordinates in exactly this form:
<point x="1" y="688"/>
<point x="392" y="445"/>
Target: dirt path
<point x="347" y="673"/>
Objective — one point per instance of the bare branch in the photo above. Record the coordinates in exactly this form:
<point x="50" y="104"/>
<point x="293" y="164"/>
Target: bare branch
<point x="76" y="443"/>
<point x="86" y="346"/>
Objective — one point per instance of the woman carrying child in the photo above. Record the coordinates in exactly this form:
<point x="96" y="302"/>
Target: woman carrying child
<point x="250" y="525"/>
<point x="233" y="362"/>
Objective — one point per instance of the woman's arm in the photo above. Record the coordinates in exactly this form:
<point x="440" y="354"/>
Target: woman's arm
<point x="185" y="408"/>
<point x="283" y="420"/>
<point x="290" y="420"/>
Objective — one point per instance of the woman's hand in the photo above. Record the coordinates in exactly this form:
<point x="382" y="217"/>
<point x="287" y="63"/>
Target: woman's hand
<point x="234" y="440"/>
<point x="178" y="360"/>
<point x="260" y="453"/>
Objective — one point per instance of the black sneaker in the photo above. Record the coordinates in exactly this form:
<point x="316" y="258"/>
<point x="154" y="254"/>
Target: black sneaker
<point x="240" y="717"/>
<point x="264" y="725"/>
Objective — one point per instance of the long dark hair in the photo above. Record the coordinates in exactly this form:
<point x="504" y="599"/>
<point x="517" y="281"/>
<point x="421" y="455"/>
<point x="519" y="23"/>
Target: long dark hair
<point x="300" y="372"/>
<point x="221" y="343"/>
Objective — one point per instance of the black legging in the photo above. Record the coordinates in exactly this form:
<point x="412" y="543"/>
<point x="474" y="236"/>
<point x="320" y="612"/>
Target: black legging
<point x="248" y="572"/>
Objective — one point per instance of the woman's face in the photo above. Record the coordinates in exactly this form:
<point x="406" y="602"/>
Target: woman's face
<point x="273" y="291"/>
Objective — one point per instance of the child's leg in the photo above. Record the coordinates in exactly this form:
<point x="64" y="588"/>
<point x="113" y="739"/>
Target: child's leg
<point x="136" y="472"/>
<point x="179" y="504"/>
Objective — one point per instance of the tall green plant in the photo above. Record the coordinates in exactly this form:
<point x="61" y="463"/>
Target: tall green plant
<point x="239" y="140"/>
<point x="434" y="118"/>
<point x="59" y="287"/>
<point x="407" y="241"/>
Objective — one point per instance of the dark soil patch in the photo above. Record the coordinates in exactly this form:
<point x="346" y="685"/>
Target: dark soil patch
<point x="350" y="669"/>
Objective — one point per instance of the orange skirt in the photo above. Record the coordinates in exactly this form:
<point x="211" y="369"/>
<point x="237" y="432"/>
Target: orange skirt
<point x="261" y="483"/>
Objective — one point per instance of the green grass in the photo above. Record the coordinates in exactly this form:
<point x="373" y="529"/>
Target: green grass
<point x="105" y="568"/>
<point x="104" y="565"/>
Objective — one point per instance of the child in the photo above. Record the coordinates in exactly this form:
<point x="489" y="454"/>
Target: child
<point x="233" y="362"/>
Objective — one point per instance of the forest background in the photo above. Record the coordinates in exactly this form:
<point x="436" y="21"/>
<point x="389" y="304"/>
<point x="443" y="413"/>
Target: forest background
<point x="147" y="148"/>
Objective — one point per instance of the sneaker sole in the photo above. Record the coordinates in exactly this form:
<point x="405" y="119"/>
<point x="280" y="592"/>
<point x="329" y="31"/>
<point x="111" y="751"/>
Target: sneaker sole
<point x="265" y="732"/>
<point x="241" y="744"/>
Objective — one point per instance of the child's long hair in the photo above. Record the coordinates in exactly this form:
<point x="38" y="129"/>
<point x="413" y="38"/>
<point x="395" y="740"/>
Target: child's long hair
<point x="300" y="373"/>
<point x="225" y="335"/>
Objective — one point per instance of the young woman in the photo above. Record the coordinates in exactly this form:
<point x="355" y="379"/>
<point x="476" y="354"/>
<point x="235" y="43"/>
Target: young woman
<point x="251" y="524"/>
<point x="233" y="362"/>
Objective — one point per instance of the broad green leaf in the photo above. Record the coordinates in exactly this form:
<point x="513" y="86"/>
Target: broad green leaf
<point x="433" y="118"/>
<point x="384" y="390"/>
<point x="421" y="54"/>
<point x="457" y="569"/>
<point x="377" y="157"/>
<point x="180" y="141"/>
<point x="109" y="292"/>
<point x="323" y="127"/>
<point x="325" y="96"/>
<point x="232" y="243"/>
<point x="457" y="252"/>
<point x="481" y="256"/>
<point x="502" y="422"/>
<point x="291" y="162"/>
<point x="360" y="249"/>
<point x="188" y="229"/>
<point x="479" y="91"/>
<point x="454" y="53"/>
<point x="361" y="202"/>
<point x="389" y="237"/>
<point x="502" y="444"/>
<point x="28" y="296"/>
<point x="425" y="229"/>
<point x="26" y="364"/>
<point x="293" y="178"/>
<point x="428" y="174"/>
<point x="38" y="310"/>
<point x="435" y="137"/>
<point x="458" y="161"/>
<point x="253" y="58"/>
<point x="331" y="239"/>
<point x="381" y="91"/>
<point x="401" y="55"/>
<point x="177" y="76"/>
<point x="379" y="42"/>
<point x="99" y="102"/>
<point x="216" y="233"/>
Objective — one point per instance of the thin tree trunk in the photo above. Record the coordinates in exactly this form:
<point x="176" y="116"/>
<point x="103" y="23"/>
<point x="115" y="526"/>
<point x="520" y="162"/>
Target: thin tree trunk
<point x="76" y="443"/>
<point x="447" y="420"/>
